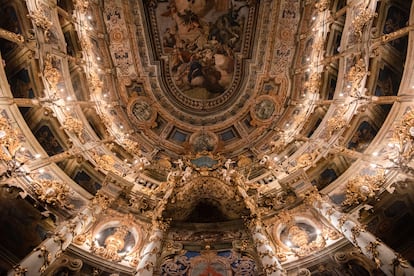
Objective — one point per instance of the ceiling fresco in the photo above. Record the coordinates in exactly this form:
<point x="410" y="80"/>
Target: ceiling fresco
<point x="198" y="137"/>
<point x="193" y="77"/>
<point x="202" y="47"/>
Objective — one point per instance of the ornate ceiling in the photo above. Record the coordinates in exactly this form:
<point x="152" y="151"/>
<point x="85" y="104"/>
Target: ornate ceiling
<point x="182" y="137"/>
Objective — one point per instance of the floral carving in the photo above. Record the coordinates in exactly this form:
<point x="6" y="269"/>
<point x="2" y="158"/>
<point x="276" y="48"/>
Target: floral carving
<point x="105" y="162"/>
<point x="42" y="21"/>
<point x="9" y="139"/>
<point x="336" y="122"/>
<point x="95" y="83"/>
<point x="101" y="200"/>
<point x="132" y="146"/>
<point x="314" y="83"/>
<point x="74" y="125"/>
<point x="361" y="20"/>
<point x="372" y="249"/>
<point x="46" y="256"/>
<point x="278" y="145"/>
<point x="404" y="135"/>
<point x="53" y="192"/>
<point x="311" y="197"/>
<point x="279" y="200"/>
<point x="81" y="5"/>
<point x="323" y="5"/>
<point x="363" y="187"/>
<point x="355" y="76"/>
<point x="356" y="231"/>
<point x="307" y="159"/>
<point x="139" y="203"/>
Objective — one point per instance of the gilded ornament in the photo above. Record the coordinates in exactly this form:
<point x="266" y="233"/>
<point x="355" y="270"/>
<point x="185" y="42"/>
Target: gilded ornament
<point x="101" y="200"/>
<point x="363" y="187"/>
<point x="265" y="253"/>
<point x="113" y="244"/>
<point x="307" y="159"/>
<point x="335" y="124"/>
<point x="74" y="125"/>
<point x="42" y="21"/>
<point x="162" y="224"/>
<point x="80" y="239"/>
<point x="134" y="261"/>
<point x="149" y="266"/>
<point x="59" y="238"/>
<point x="301" y="241"/>
<point x="314" y="83"/>
<point x="322" y="5"/>
<point x="271" y="268"/>
<point x="318" y="45"/>
<point x="298" y="236"/>
<point x="403" y="134"/>
<point x="164" y="163"/>
<point x="139" y="203"/>
<point x="244" y="161"/>
<point x="51" y="73"/>
<point x="285" y="217"/>
<point x="356" y="231"/>
<point x="105" y="162"/>
<point x="330" y="211"/>
<point x="46" y="256"/>
<point x="276" y="201"/>
<point x="19" y="270"/>
<point x="355" y="76"/>
<point x="53" y="192"/>
<point x="278" y="145"/>
<point x="81" y="5"/>
<point x="399" y="261"/>
<point x="9" y="139"/>
<point x="16" y="38"/>
<point x="281" y="256"/>
<point x="333" y="234"/>
<point x="342" y="220"/>
<point x="312" y="197"/>
<point x="95" y="83"/>
<point x="361" y="20"/>
<point x="372" y="249"/>
<point x="260" y="241"/>
<point x="86" y="45"/>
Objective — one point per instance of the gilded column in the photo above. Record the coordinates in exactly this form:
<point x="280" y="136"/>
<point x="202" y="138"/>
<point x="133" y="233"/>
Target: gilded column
<point x="267" y="255"/>
<point x="50" y="249"/>
<point x="151" y="251"/>
<point x="264" y="247"/>
<point x="389" y="261"/>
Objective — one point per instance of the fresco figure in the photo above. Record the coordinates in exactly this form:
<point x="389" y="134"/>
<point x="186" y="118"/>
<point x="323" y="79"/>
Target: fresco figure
<point x="200" y="38"/>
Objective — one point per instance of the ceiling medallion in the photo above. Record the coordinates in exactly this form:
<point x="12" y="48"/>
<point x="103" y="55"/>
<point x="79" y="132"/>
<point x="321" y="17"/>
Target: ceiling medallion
<point x="263" y="111"/>
<point x="142" y="112"/>
<point x="204" y="141"/>
<point x="202" y="45"/>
